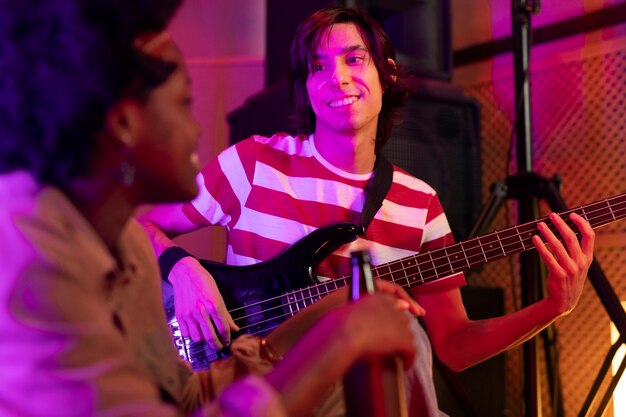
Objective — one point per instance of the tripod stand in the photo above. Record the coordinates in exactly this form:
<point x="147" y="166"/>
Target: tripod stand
<point x="528" y="188"/>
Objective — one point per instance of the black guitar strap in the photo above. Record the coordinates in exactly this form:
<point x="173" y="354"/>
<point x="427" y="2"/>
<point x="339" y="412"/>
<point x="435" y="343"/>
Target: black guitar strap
<point x="375" y="192"/>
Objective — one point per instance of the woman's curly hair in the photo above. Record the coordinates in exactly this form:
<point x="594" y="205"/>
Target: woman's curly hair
<point x="395" y="81"/>
<point x="63" y="65"/>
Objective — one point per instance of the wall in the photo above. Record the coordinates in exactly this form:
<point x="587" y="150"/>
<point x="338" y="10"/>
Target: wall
<point x="224" y="45"/>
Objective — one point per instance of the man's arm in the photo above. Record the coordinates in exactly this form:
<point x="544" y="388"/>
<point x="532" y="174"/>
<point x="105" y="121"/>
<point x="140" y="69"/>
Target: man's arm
<point x="197" y="300"/>
<point x="460" y="342"/>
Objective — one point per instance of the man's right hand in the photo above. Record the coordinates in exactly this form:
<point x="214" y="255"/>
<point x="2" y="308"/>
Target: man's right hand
<point x="200" y="309"/>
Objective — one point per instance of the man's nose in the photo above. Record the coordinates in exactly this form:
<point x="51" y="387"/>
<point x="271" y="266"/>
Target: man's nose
<point x="340" y="75"/>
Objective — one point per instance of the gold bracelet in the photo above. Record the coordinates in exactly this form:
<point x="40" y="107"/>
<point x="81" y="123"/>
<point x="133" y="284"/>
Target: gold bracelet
<point x="268" y="353"/>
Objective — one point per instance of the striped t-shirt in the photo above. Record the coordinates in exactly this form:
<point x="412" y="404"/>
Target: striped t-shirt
<point x="271" y="192"/>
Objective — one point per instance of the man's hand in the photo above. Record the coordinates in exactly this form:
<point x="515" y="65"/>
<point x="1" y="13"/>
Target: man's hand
<point x="403" y="300"/>
<point x="200" y="308"/>
<point x="567" y="261"/>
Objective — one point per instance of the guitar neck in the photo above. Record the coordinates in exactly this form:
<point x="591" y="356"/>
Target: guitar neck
<point x="429" y="266"/>
<point x="426" y="267"/>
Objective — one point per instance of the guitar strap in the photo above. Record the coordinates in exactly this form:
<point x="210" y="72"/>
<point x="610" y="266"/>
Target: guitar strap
<point x="375" y="191"/>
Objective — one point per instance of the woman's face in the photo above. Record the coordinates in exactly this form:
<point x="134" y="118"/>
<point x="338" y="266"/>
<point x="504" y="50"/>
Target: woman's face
<point x="165" y="155"/>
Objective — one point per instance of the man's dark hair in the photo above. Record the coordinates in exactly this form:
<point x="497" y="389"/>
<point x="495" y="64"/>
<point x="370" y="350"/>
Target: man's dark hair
<point x="395" y="82"/>
<point x="63" y="65"/>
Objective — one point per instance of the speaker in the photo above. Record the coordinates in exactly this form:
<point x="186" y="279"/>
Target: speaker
<point x="420" y="33"/>
<point x="439" y="142"/>
<point x="283" y="17"/>
<point x="264" y="113"/>
<point x="419" y="30"/>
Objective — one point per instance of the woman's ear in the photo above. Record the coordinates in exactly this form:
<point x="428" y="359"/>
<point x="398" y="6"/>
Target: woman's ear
<point x="123" y="121"/>
<point x="393" y="64"/>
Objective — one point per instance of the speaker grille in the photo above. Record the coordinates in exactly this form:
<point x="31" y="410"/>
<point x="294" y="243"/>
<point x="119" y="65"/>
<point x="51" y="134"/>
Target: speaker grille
<point x="438" y="141"/>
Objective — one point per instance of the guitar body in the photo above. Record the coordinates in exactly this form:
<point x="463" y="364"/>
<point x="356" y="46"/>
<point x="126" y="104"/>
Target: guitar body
<point x="255" y="294"/>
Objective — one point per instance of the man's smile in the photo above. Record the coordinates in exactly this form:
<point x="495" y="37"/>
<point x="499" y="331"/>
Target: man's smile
<point x="345" y="101"/>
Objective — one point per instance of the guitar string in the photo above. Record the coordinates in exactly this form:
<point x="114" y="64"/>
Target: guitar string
<point x="619" y="211"/>
<point x="525" y="242"/>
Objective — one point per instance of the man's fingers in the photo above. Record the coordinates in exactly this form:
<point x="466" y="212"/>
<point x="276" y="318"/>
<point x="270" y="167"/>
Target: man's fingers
<point x="194" y="331"/>
<point x="223" y="330"/>
<point x="232" y="324"/>
<point x="184" y="329"/>
<point x="413" y="308"/>
<point x="408" y="303"/>
<point x="588" y="235"/>
<point x="208" y="332"/>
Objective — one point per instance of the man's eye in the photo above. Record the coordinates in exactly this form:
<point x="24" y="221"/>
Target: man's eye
<point x="317" y="68"/>
<point x="355" y="59"/>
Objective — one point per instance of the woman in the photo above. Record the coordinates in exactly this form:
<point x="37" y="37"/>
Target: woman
<point x="95" y="120"/>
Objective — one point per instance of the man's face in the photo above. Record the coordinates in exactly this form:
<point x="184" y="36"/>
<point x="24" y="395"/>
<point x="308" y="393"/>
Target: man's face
<point x="344" y="86"/>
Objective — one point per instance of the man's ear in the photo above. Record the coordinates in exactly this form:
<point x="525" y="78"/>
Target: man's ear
<point x="123" y="121"/>
<point x="393" y="64"/>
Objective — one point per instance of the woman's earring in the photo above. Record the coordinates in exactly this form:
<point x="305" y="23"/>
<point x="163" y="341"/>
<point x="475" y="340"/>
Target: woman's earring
<point x="127" y="168"/>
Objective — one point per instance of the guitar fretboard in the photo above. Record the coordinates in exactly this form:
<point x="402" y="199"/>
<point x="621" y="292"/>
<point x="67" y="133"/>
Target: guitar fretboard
<point x="439" y="263"/>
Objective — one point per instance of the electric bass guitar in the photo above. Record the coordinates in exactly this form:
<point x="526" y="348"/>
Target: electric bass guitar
<point x="261" y="296"/>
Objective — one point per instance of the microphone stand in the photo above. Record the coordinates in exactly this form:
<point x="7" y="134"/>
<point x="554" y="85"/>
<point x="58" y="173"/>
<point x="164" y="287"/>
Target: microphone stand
<point x="527" y="188"/>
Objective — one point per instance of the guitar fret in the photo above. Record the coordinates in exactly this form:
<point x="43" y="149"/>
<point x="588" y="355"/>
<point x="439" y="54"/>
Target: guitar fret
<point x="411" y="269"/>
<point x="441" y="262"/>
<point x="428" y="270"/>
<point x="473" y="252"/>
<point x="483" y="251"/>
<point x="607" y="217"/>
<point x="432" y="262"/>
<point x="582" y="213"/>
<point x="381" y="272"/>
<point x="509" y="239"/>
<point x="290" y="301"/>
<point x="500" y="242"/>
<point x="458" y="261"/>
<point x="526" y="232"/>
<point x="302" y="299"/>
<point x="519" y="236"/>
<point x="326" y="286"/>
<point x="394" y="268"/>
<point x="491" y="251"/>
<point x="610" y="210"/>
<point x="335" y="284"/>
<point x="315" y="296"/>
<point x="418" y="277"/>
<point x="298" y="297"/>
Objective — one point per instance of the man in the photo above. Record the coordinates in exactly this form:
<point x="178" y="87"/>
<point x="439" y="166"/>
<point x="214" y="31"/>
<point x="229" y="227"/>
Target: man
<point x="271" y="192"/>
